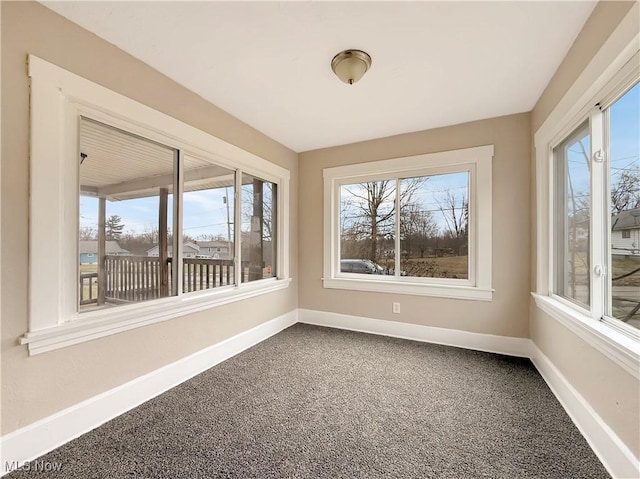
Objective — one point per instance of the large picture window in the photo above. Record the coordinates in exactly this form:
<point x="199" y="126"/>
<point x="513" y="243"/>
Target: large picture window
<point x="137" y="217"/>
<point x="417" y="225"/>
<point x="421" y="222"/>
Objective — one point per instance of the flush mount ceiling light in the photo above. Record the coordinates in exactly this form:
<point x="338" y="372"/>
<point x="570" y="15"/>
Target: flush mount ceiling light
<point x="350" y="65"/>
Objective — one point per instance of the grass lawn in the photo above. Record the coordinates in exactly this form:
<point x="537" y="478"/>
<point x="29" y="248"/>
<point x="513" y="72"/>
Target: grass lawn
<point x="619" y="264"/>
<point x="622" y="265"/>
<point x="440" y="267"/>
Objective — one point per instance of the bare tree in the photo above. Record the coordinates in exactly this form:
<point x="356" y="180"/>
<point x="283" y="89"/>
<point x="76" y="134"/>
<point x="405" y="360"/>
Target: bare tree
<point x="417" y="228"/>
<point x="208" y="237"/>
<point x="139" y="243"/>
<point x="625" y="189"/>
<point x="187" y="237"/>
<point x="88" y="233"/>
<point x="455" y="211"/>
<point x="625" y="192"/>
<point x="375" y="205"/>
<point x="376" y="218"/>
<point x="150" y="235"/>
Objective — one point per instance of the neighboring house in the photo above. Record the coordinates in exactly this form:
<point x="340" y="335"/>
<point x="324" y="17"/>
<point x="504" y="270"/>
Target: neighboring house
<point x="199" y="249"/>
<point x="89" y="251"/>
<point x="625" y="233"/>
<point x="189" y="250"/>
<point x="216" y="249"/>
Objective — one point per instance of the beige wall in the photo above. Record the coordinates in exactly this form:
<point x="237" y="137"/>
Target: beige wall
<point x="507" y="314"/>
<point x="612" y="392"/>
<point x="35" y="387"/>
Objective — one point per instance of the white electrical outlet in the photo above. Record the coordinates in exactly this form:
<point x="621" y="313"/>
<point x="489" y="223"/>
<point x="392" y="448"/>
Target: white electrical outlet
<point x="396" y="308"/>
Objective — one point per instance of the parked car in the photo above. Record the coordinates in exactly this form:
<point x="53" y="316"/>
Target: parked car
<point x="361" y="266"/>
<point x="392" y="272"/>
<point x="365" y="266"/>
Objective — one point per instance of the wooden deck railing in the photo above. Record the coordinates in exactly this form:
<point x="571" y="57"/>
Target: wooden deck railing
<point x="138" y="278"/>
<point x="133" y="278"/>
<point x="205" y="273"/>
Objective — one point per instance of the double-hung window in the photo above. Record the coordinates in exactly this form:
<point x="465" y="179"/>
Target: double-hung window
<point x="588" y="202"/>
<point x="137" y="217"/>
<point x="417" y="225"/>
<point x="597" y="211"/>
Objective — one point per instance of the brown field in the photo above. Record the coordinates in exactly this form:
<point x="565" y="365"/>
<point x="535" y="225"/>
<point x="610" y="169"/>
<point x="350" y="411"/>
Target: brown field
<point x="440" y="267"/>
<point x="621" y="266"/>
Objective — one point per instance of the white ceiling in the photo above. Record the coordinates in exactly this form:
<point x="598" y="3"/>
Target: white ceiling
<point x="268" y="63"/>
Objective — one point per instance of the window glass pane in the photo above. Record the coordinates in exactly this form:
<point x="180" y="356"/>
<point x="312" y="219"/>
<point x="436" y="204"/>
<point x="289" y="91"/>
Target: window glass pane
<point x="125" y="207"/>
<point x="624" y="175"/>
<point x="573" y="203"/>
<point x="207" y="225"/>
<point x="259" y="200"/>
<point x="367" y="227"/>
<point x="434" y="226"/>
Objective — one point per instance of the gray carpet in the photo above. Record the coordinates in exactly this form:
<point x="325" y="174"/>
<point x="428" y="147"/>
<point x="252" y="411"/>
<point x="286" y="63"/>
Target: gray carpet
<point x="315" y="402"/>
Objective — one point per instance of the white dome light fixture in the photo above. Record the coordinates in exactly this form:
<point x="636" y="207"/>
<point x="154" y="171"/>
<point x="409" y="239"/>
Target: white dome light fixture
<point x="351" y="65"/>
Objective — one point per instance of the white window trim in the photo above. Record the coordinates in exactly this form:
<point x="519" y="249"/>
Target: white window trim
<point x="478" y="162"/>
<point x="57" y="97"/>
<point x="610" y="68"/>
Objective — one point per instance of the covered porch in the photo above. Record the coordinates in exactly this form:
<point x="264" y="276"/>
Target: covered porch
<point x="122" y="172"/>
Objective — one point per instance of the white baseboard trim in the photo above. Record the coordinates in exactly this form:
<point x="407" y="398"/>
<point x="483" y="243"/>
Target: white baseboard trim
<point x="450" y="337"/>
<point x="51" y="432"/>
<point x="616" y="457"/>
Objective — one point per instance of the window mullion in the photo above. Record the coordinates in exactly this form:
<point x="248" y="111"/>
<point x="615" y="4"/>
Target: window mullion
<point x="178" y="191"/>
<point x="598" y="217"/>
<point x="397" y="247"/>
<point x="237" y="230"/>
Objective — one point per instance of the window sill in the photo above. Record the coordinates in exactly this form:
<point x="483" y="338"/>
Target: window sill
<point x="620" y="348"/>
<point x="94" y="325"/>
<point x="416" y="289"/>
